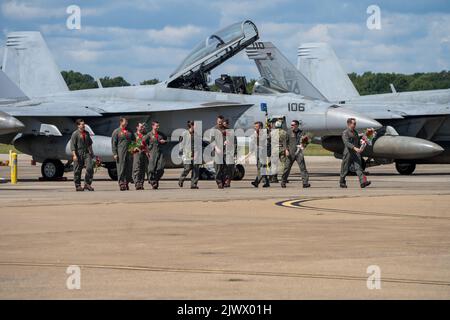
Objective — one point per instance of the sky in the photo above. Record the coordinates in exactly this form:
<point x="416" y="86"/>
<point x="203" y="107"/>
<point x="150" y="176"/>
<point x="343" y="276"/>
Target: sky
<point x="147" y="39"/>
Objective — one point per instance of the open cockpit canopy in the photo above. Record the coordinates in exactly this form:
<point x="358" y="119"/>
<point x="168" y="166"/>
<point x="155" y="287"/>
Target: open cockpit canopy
<point x="210" y="53"/>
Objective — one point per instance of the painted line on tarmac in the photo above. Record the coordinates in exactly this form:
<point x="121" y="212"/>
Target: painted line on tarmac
<point x="300" y="204"/>
<point x="228" y="272"/>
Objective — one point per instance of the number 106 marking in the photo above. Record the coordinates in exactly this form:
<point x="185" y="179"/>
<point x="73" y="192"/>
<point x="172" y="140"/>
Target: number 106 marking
<point x="296" y="106"/>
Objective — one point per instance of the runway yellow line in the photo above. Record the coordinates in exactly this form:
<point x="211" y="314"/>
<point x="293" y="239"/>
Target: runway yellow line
<point x="299" y="204"/>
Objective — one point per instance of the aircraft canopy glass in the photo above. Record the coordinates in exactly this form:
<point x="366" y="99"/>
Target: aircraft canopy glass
<point x="243" y="30"/>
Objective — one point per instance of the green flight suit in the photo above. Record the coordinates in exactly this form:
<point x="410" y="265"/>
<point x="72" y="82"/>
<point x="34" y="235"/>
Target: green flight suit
<point x="230" y="163"/>
<point x="219" y="165"/>
<point x="293" y="138"/>
<point x="262" y="164"/>
<point x="140" y="160"/>
<point x="282" y="145"/>
<point x="189" y="154"/>
<point x="81" y="145"/>
<point x="156" y="159"/>
<point x="350" y="157"/>
<point x="120" y="142"/>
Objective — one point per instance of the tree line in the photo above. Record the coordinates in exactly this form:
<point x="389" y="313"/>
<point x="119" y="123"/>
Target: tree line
<point x="79" y="81"/>
<point x="374" y="83"/>
<point x="366" y="83"/>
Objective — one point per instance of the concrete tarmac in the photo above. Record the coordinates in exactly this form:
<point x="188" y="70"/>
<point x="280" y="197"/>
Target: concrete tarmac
<point x="237" y="243"/>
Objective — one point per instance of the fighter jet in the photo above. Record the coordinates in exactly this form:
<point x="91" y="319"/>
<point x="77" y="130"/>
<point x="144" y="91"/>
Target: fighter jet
<point x="41" y="110"/>
<point x="414" y="130"/>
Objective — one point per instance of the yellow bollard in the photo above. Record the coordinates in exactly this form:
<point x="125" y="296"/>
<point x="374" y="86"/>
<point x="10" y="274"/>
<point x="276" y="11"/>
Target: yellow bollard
<point x="13" y="164"/>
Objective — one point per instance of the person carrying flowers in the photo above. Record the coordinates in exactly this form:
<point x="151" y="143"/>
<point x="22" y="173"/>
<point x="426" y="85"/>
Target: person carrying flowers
<point x="120" y="142"/>
<point x="352" y="154"/>
<point x="156" y="160"/>
<point x="140" y="152"/>
<point x="295" y="143"/>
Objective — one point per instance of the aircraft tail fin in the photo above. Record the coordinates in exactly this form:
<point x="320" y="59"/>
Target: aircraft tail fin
<point x="28" y="62"/>
<point x="319" y="63"/>
<point x="9" y="90"/>
<point x="278" y="70"/>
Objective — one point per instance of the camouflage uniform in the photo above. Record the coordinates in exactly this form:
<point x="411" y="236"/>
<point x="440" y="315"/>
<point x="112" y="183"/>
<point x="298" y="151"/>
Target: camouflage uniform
<point x="279" y="168"/>
<point x="140" y="161"/>
<point x="293" y="138"/>
<point x="156" y="159"/>
<point x="350" y="157"/>
<point x="120" y="141"/>
<point x="81" y="144"/>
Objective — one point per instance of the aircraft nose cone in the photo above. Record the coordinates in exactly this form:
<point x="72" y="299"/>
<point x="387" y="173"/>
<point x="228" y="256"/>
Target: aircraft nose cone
<point x="336" y="120"/>
<point x="9" y="124"/>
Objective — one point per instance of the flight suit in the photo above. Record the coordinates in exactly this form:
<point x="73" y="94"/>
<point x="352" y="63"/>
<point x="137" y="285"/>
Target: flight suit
<point x="350" y="157"/>
<point x="261" y="163"/>
<point x="189" y="154"/>
<point x="120" y="141"/>
<point x="220" y="168"/>
<point x="293" y="138"/>
<point x="230" y="164"/>
<point x="140" y="161"/>
<point x="156" y="159"/>
<point x="80" y="143"/>
<point x="278" y="168"/>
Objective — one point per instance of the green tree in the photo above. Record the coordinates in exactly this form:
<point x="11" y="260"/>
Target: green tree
<point x="375" y="83"/>
<point x="150" y="82"/>
<point x="113" y="82"/>
<point x="78" y="81"/>
<point x="250" y="85"/>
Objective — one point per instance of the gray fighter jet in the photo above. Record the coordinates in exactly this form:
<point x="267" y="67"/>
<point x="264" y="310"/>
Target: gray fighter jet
<point x="416" y="125"/>
<point x="36" y="104"/>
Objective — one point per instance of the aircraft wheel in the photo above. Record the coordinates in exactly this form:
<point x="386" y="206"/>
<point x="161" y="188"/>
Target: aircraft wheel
<point x="405" y="168"/>
<point x="205" y="174"/>
<point x="52" y="169"/>
<point x="239" y="172"/>
<point x="112" y="172"/>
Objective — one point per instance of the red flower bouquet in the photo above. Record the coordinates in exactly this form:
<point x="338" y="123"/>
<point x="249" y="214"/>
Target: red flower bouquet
<point x="367" y="138"/>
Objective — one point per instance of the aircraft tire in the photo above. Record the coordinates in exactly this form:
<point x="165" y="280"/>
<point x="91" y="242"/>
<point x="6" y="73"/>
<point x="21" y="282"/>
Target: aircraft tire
<point x="239" y="172"/>
<point x="405" y="168"/>
<point x="52" y="169"/>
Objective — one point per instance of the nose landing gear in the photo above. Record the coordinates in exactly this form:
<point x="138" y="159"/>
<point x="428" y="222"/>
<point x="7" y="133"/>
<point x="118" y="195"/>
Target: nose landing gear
<point x="52" y="169"/>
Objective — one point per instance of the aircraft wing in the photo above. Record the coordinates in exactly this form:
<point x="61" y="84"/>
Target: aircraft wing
<point x="162" y="106"/>
<point x="98" y="108"/>
<point x="382" y="111"/>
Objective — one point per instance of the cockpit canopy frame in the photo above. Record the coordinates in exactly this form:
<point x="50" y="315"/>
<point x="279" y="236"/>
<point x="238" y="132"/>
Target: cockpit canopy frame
<point x="213" y="51"/>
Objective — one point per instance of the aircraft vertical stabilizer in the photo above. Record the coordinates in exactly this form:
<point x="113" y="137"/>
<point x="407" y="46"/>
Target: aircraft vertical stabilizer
<point x="279" y="71"/>
<point x="319" y="63"/>
<point x="28" y="62"/>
